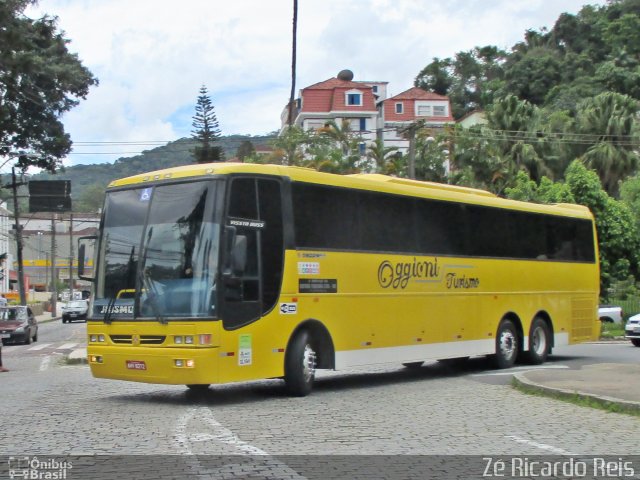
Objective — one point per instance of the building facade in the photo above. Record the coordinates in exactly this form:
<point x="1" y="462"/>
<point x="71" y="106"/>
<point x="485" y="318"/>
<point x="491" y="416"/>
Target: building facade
<point x="371" y="115"/>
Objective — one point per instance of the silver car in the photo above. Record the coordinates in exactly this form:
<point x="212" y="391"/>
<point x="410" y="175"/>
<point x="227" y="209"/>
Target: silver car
<point x="75" y="310"/>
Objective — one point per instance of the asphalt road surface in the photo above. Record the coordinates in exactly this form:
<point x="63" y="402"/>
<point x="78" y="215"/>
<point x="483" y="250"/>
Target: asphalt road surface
<point x="51" y="408"/>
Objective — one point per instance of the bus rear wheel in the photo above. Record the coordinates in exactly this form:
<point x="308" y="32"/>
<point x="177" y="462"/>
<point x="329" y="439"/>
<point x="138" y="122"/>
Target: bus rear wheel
<point x="506" y="345"/>
<point x="636" y="342"/>
<point x="539" y="342"/>
<point x="300" y="365"/>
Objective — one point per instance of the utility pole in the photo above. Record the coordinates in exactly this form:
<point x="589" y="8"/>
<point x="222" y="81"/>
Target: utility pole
<point x="293" y="63"/>
<point x="410" y="132"/>
<point x="54" y="287"/>
<point x="18" y="230"/>
<point x="71" y="256"/>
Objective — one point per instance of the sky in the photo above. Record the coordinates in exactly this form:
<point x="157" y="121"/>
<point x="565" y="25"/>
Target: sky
<point x="152" y="56"/>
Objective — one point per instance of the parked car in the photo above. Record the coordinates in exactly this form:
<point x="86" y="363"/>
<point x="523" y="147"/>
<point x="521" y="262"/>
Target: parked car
<point x="75" y="310"/>
<point x="610" y="313"/>
<point x="632" y="329"/>
<point x="18" y="324"/>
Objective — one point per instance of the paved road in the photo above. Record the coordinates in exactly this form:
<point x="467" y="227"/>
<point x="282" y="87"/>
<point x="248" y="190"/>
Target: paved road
<point x="61" y="410"/>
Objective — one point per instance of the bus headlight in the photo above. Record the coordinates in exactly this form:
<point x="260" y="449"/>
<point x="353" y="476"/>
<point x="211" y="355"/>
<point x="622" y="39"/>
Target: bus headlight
<point x="205" y="339"/>
<point x="178" y="339"/>
<point x="188" y="339"/>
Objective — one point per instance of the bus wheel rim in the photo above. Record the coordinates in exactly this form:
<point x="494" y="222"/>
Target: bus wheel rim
<point x="308" y="363"/>
<point x="539" y="341"/>
<point x="507" y="344"/>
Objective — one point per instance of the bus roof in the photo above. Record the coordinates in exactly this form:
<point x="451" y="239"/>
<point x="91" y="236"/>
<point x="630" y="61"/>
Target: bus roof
<point x="367" y="181"/>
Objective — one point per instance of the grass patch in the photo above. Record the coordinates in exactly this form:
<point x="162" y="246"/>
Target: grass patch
<point x="611" y="330"/>
<point x="577" y="399"/>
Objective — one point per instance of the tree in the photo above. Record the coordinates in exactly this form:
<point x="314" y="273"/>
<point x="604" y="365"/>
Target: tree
<point x="40" y="80"/>
<point x="245" y="150"/>
<point x="617" y="232"/>
<point x="206" y="131"/>
<point x="609" y="119"/>
<point x="91" y="198"/>
<point x="381" y="156"/>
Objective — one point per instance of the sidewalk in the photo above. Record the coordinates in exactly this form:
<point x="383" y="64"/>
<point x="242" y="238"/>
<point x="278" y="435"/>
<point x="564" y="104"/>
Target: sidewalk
<point x="47" y="317"/>
<point x="606" y="383"/>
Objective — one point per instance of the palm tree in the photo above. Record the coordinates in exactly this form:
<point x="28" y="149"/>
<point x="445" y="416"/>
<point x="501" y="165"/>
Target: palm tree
<point x="381" y="155"/>
<point x="516" y="123"/>
<point x="609" y="120"/>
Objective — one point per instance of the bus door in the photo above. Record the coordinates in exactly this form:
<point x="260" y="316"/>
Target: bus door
<point x="252" y="251"/>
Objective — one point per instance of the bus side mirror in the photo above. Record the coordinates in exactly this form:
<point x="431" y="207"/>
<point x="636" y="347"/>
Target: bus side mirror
<point x="83" y="244"/>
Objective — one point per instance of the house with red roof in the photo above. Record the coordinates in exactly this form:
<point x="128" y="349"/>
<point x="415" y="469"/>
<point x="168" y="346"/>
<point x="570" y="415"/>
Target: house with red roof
<point x="415" y="104"/>
<point x="366" y="106"/>
<point x="339" y="99"/>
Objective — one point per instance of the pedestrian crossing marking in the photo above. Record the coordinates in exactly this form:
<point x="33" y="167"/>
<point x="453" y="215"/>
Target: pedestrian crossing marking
<point x="42" y="346"/>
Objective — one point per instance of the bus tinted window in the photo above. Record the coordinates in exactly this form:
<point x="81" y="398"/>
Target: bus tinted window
<point x="335" y="218"/>
<point x="441" y="227"/>
<point x="326" y="218"/>
<point x="386" y="223"/>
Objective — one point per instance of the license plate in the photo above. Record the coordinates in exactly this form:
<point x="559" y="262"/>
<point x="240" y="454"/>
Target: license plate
<point x="73" y="315"/>
<point x="5" y="335"/>
<point x="637" y="329"/>
<point x="136" y="365"/>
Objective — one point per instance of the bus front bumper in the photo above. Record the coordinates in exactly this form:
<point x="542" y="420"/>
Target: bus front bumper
<point x="175" y="366"/>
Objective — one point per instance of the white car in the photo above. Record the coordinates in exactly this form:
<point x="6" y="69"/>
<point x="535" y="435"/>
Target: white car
<point x="75" y="310"/>
<point x="610" y="314"/>
<point x="632" y="329"/>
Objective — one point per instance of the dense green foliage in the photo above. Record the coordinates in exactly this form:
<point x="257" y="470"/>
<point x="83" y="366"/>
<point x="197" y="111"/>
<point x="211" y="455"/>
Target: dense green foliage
<point x="583" y="55"/>
<point x="39" y="81"/>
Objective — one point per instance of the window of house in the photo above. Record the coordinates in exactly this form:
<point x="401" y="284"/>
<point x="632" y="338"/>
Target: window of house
<point x="374" y="89"/>
<point x="424" y="110"/>
<point x="354" y="99"/>
<point x="399" y="107"/>
<point x="439" y="111"/>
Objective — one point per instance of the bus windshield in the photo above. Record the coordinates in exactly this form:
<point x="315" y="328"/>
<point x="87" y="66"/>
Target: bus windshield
<point x="158" y="253"/>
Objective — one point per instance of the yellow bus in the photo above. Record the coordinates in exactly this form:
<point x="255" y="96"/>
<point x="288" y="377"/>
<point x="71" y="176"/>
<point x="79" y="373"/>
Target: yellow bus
<point x="217" y="273"/>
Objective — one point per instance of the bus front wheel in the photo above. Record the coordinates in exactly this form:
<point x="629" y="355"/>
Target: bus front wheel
<point x="300" y="365"/>
<point x="506" y="345"/>
<point x="539" y="342"/>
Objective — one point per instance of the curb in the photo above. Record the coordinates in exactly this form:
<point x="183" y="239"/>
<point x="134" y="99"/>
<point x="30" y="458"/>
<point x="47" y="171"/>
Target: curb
<point x="520" y="382"/>
<point x="77" y="357"/>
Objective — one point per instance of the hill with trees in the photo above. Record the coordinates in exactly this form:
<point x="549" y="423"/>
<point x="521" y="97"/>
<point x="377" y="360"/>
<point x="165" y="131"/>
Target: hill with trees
<point x="88" y="182"/>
